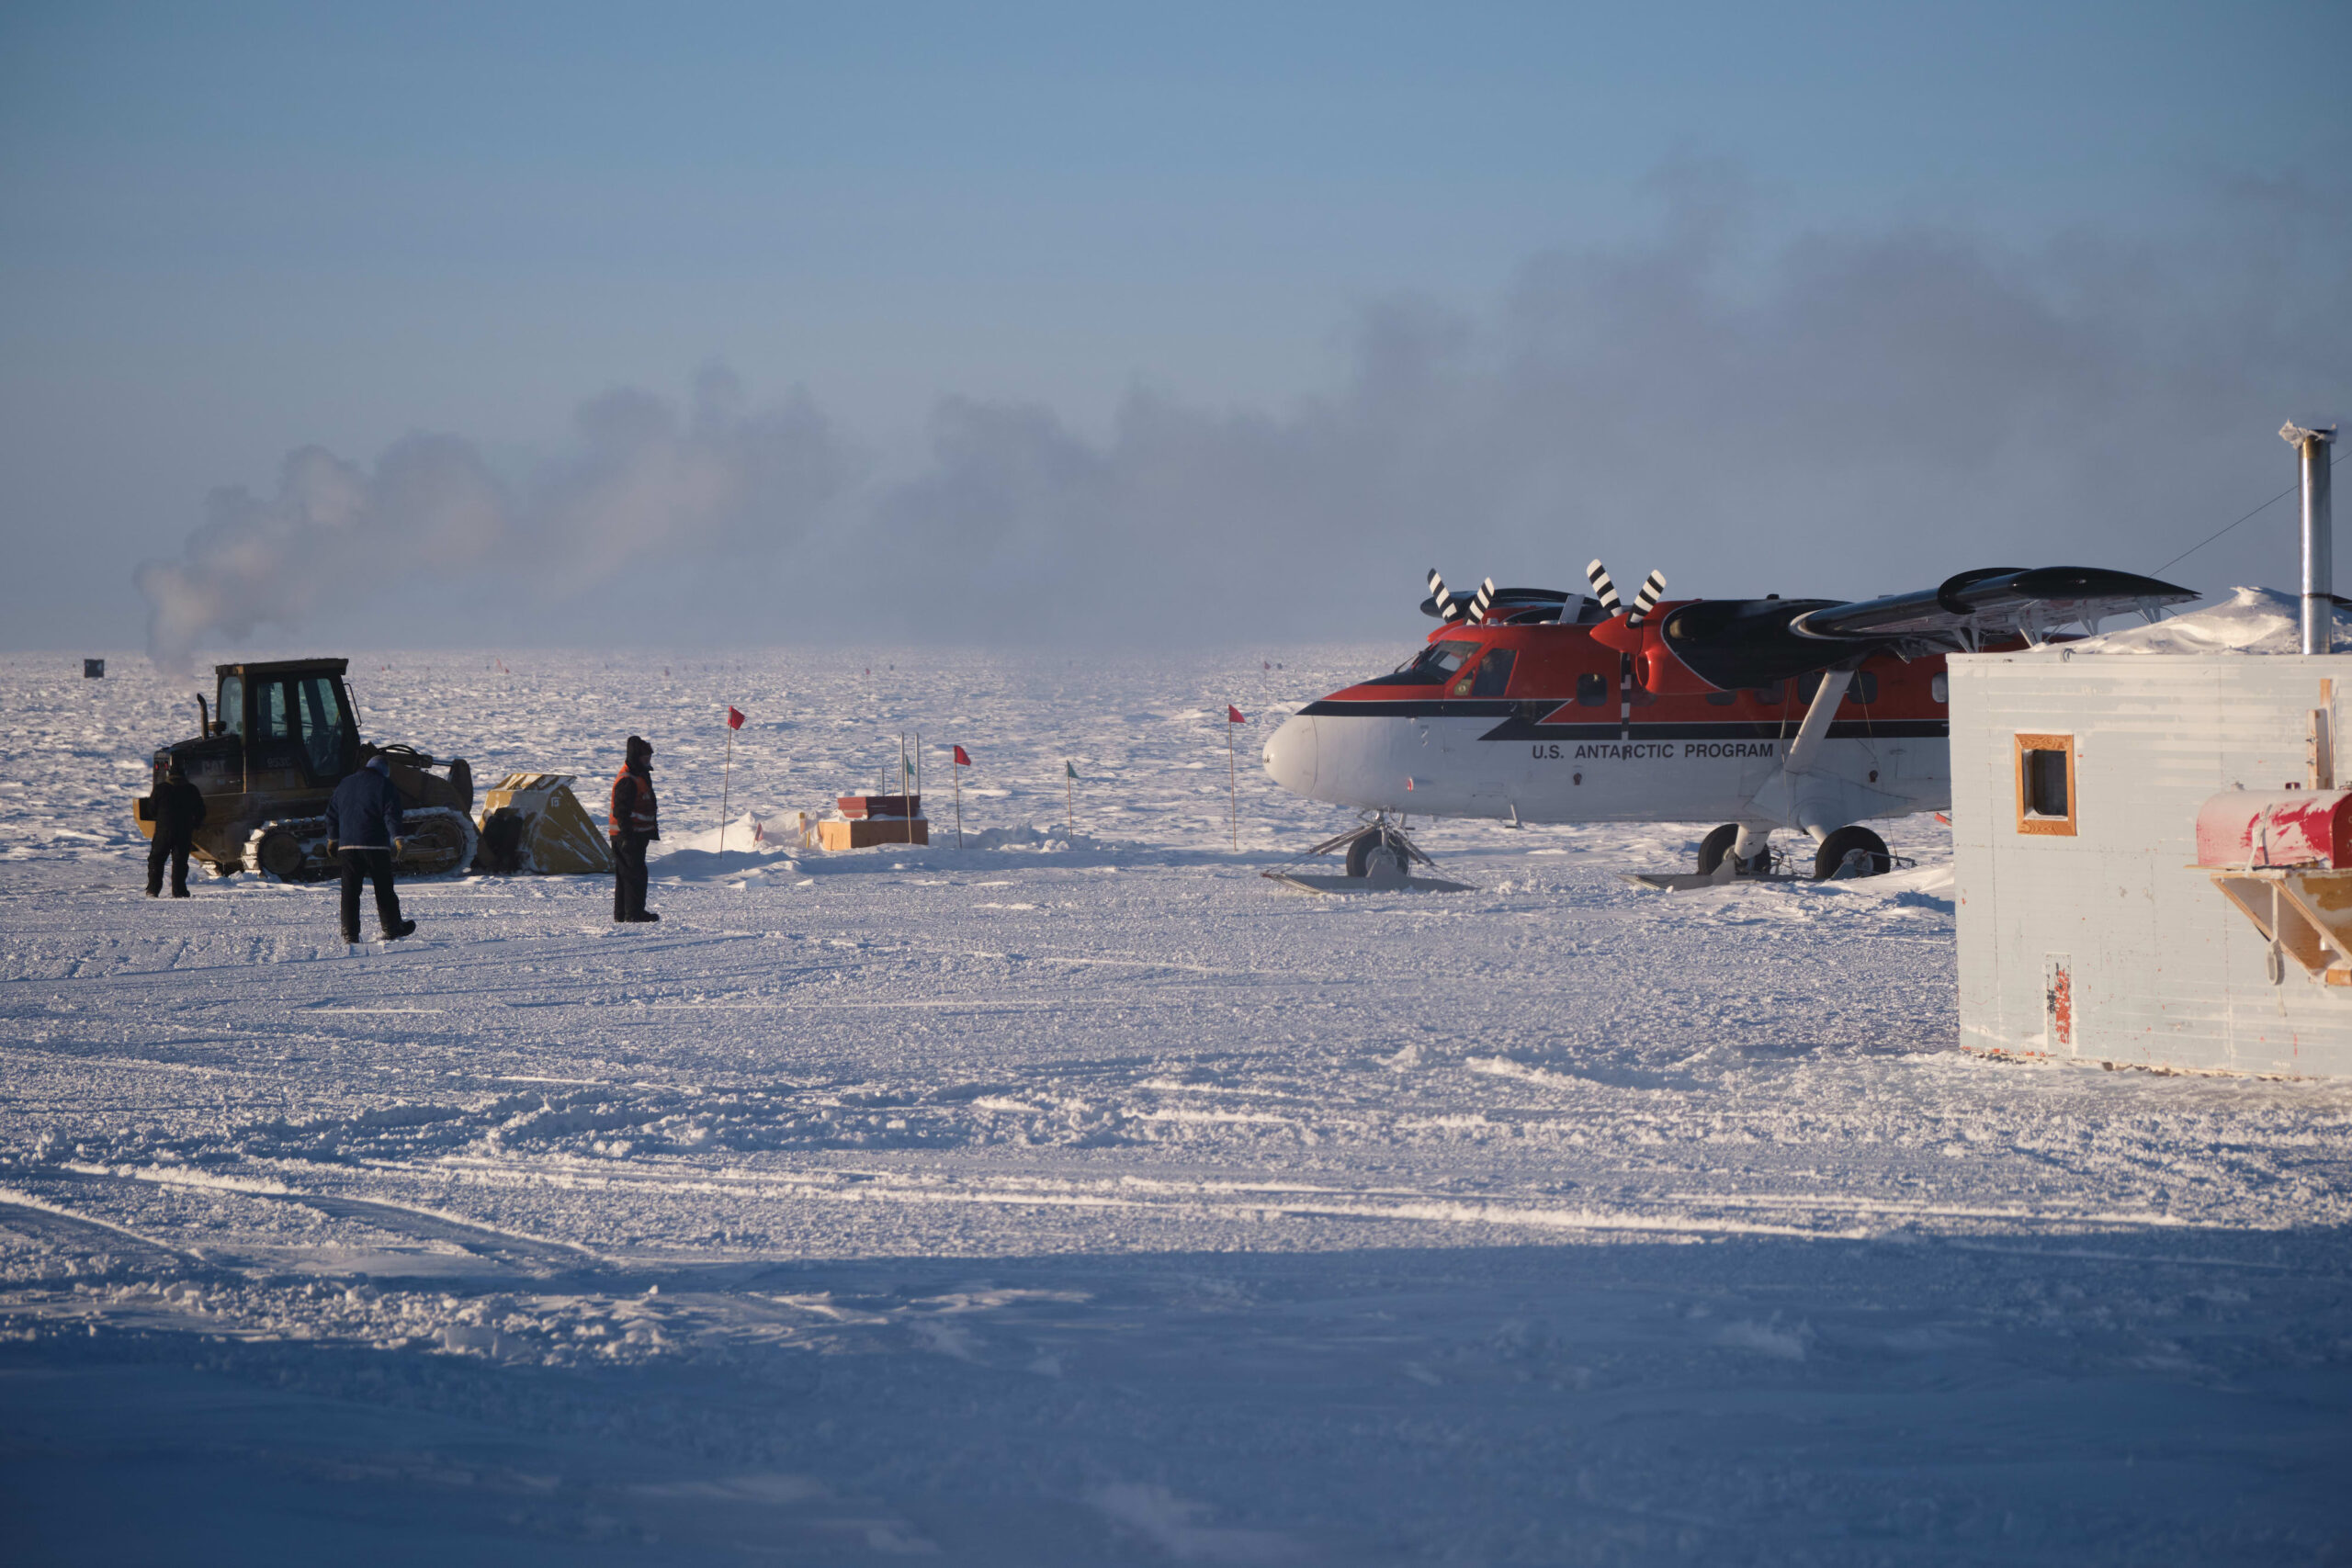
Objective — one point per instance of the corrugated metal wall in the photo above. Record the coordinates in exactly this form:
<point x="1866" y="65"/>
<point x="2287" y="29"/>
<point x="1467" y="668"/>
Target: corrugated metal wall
<point x="2105" y="945"/>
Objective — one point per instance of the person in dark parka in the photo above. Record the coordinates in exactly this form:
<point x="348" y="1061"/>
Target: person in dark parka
<point x="634" y="826"/>
<point x="176" y="808"/>
<point x="364" y="828"/>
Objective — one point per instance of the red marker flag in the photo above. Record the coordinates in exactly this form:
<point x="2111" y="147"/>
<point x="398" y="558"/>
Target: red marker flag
<point x="727" y="775"/>
<point x="1233" y="714"/>
<point x="961" y="760"/>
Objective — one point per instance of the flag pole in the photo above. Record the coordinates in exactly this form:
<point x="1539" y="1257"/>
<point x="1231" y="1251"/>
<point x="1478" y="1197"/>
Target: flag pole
<point x="958" y="779"/>
<point x="1232" y="786"/>
<point x="726" y="777"/>
<point x="907" y="829"/>
<point x="1069" y="798"/>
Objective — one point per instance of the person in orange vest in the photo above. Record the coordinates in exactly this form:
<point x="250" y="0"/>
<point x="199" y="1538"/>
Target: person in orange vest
<point x="634" y="826"/>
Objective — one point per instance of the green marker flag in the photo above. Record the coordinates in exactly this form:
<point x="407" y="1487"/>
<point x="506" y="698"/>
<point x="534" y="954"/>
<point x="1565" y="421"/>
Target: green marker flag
<point x="1067" y="771"/>
<point x="1069" y="797"/>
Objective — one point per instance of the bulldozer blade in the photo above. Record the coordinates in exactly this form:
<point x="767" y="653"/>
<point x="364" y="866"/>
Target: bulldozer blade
<point x="533" y="823"/>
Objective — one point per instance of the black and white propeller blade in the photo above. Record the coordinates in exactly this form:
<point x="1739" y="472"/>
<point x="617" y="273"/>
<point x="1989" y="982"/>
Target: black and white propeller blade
<point x="1447" y="609"/>
<point x="1482" y="602"/>
<point x="1652" y="586"/>
<point x="1602" y="589"/>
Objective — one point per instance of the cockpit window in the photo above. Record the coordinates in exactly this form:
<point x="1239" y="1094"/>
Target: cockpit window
<point x="1437" y="663"/>
<point x="1494" y="674"/>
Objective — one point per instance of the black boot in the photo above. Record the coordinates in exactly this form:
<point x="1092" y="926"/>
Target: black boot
<point x="398" y="931"/>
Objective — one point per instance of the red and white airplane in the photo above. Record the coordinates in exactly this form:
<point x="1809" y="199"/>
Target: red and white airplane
<point x="1535" y="706"/>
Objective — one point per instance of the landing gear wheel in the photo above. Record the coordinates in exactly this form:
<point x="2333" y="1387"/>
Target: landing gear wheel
<point x="1371" y="852"/>
<point x="1831" y="857"/>
<point x="1714" y="846"/>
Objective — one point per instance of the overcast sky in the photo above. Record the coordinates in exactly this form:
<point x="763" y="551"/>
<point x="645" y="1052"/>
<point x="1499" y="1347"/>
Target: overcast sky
<point x="486" y="324"/>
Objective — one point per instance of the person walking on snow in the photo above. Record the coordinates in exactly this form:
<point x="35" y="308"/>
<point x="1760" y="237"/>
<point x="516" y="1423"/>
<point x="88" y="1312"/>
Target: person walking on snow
<point x="634" y="826"/>
<point x="364" y="828"/>
<point x="176" y="808"/>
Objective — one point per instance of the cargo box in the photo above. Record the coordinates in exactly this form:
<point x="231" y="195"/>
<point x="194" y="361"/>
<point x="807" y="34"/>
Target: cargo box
<point x="868" y="832"/>
<point x="858" y="806"/>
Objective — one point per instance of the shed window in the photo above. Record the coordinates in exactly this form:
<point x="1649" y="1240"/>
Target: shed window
<point x="2046" y="802"/>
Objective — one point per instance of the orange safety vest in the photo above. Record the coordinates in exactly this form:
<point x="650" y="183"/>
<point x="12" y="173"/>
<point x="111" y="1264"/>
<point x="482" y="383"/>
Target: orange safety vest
<point x="640" y="816"/>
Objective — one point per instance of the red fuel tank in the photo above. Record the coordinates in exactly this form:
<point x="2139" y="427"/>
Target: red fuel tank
<point x="2273" y="827"/>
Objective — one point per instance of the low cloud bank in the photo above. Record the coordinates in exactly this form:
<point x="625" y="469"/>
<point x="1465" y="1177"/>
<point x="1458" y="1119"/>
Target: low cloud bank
<point x="1835" y="414"/>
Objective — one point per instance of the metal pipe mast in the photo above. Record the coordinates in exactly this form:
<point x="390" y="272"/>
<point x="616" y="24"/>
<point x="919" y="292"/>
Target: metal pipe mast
<point x="2318" y="537"/>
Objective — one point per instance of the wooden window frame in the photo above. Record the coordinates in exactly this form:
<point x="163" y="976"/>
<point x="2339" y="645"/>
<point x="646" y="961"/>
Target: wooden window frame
<point x="2029" y="822"/>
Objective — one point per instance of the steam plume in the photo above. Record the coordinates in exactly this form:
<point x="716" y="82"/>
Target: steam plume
<point x="1840" y="414"/>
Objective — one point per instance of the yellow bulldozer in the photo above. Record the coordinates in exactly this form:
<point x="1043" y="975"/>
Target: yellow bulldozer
<point x="278" y="736"/>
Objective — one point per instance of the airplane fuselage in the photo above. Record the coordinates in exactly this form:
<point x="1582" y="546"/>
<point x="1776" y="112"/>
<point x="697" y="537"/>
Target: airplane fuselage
<point x="1562" y="730"/>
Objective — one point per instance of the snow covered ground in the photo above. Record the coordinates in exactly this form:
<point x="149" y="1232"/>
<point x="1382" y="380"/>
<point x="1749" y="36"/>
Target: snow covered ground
<point x="1087" y="1198"/>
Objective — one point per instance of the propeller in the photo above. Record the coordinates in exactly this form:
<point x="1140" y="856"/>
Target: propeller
<point x="1644" y="601"/>
<point x="1446" y="608"/>
<point x="1483" y="600"/>
<point x="1602" y="589"/>
<point x="1652" y="586"/>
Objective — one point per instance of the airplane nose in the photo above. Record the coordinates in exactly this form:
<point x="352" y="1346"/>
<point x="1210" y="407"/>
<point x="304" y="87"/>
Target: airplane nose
<point x="1291" y="755"/>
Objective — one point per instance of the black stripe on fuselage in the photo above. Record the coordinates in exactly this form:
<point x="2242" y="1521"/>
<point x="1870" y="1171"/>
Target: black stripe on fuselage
<point x="1520" y="721"/>
<point x="1427" y="707"/>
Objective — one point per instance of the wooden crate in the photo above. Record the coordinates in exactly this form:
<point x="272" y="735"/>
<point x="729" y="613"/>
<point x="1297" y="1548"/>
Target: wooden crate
<point x="856" y="806"/>
<point x="869" y="832"/>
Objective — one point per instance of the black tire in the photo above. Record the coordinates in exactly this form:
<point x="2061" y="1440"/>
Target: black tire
<point x="1360" y="850"/>
<point x="1835" y="849"/>
<point x="1714" y="846"/>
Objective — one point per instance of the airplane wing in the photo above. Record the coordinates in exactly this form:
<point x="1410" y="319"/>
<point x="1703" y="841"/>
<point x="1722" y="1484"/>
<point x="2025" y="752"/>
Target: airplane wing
<point x="1990" y="604"/>
<point x="1753" y="642"/>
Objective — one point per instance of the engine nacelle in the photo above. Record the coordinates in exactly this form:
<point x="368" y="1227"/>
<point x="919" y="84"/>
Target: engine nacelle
<point x="1656" y="666"/>
<point x="1663" y="675"/>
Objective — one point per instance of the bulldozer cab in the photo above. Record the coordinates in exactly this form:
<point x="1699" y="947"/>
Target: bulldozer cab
<point x="291" y="720"/>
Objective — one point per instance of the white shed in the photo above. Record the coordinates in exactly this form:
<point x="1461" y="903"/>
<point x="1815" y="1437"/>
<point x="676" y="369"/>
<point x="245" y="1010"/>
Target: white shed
<point x="2088" y="929"/>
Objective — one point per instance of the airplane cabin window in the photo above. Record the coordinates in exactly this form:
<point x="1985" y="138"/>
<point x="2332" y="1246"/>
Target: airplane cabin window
<point x="1771" y="695"/>
<point x="1593" y="689"/>
<point x="1722" y="699"/>
<point x="1861" y="687"/>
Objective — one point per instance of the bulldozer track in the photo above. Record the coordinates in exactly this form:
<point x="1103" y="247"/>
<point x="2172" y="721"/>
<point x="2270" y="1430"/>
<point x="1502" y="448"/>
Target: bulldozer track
<point x="441" y="842"/>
